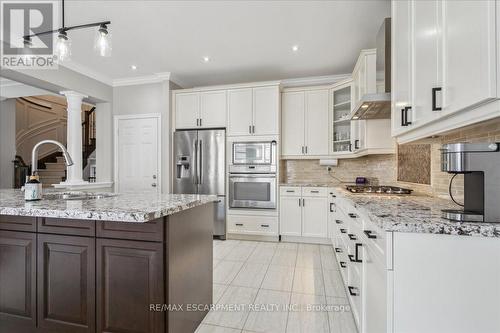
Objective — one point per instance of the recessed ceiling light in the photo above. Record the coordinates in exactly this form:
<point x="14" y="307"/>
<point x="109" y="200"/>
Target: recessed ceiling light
<point x="206" y="59"/>
<point x="295" y="48"/>
<point x="133" y="67"/>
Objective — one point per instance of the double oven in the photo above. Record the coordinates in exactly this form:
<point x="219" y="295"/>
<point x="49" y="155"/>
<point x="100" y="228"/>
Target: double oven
<point x="252" y="175"/>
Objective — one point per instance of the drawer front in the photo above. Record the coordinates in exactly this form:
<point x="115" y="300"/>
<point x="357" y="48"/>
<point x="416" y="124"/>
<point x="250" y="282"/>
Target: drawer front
<point x="253" y="225"/>
<point x="149" y="231"/>
<point x="354" y="292"/>
<point x="375" y="237"/>
<point x="292" y="191"/>
<point x="314" y="191"/>
<point x="18" y="223"/>
<point x="66" y="226"/>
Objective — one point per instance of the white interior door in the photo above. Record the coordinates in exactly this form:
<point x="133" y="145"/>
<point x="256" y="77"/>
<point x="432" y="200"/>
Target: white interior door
<point x="137" y="154"/>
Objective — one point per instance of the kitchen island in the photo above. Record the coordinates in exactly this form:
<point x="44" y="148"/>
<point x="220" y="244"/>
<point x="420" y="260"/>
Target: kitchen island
<point x="105" y="263"/>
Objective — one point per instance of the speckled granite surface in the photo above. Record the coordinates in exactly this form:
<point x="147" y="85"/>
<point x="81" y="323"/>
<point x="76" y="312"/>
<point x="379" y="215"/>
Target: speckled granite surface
<point x="127" y="207"/>
<point x="415" y="213"/>
<point x="307" y="184"/>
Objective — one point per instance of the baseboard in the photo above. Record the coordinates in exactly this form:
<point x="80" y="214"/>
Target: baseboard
<point x="253" y="237"/>
<point x="310" y="240"/>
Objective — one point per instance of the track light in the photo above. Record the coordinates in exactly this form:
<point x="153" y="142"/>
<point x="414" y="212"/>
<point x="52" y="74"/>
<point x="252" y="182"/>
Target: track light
<point x="102" y="43"/>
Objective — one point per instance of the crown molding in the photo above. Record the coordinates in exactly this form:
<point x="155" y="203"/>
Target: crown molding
<point x="84" y="70"/>
<point x="132" y="81"/>
<point x="314" y="80"/>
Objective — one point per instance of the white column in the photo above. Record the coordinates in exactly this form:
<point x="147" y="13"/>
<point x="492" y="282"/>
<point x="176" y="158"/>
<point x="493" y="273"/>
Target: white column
<point x="74" y="137"/>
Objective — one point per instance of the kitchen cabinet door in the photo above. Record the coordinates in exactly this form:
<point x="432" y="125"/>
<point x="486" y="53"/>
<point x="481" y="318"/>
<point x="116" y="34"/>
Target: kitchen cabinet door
<point x="266" y="111"/>
<point x="290" y="216"/>
<point x="187" y="110"/>
<point x="317" y="122"/>
<point x="213" y="109"/>
<point x="426" y="51"/>
<point x="358" y="134"/>
<point x="240" y="112"/>
<point x="129" y="278"/>
<point x="374" y="293"/>
<point x="401" y="63"/>
<point x="17" y="281"/>
<point x="469" y="52"/>
<point x="293" y="119"/>
<point x="314" y="217"/>
<point x="66" y="284"/>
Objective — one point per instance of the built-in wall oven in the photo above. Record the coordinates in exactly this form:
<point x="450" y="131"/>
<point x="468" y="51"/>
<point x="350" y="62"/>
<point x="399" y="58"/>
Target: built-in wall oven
<point x="252" y="175"/>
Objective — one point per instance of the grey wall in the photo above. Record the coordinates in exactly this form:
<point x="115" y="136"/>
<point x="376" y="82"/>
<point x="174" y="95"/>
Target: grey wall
<point x="104" y="142"/>
<point x="7" y="142"/>
<point x="146" y="99"/>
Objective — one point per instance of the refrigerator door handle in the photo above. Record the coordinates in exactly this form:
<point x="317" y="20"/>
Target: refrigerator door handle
<point x="195" y="163"/>
<point x="200" y="166"/>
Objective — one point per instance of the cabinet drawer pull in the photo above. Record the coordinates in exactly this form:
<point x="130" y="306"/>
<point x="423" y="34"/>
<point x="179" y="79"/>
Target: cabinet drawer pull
<point x="407" y="108"/>
<point x="343" y="264"/>
<point x="250" y="129"/>
<point x="302" y="149"/>
<point x="300" y="200"/>
<point x="352" y="259"/>
<point x="339" y="221"/>
<point x="356" y="144"/>
<point x="314" y="191"/>
<point x="343" y="230"/>
<point x="239" y="224"/>
<point x="253" y="129"/>
<point x="306" y="149"/>
<point x="265" y="225"/>
<point x="353" y="291"/>
<point x="434" y="106"/>
<point x="403" y="120"/>
<point x="352" y="236"/>
<point x="331" y="207"/>
<point x="200" y="121"/>
<point x="338" y="250"/>
<point x="290" y="191"/>
<point x="352" y="215"/>
<point x="369" y="234"/>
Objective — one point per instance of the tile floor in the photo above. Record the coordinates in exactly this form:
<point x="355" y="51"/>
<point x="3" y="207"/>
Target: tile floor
<point x="276" y="287"/>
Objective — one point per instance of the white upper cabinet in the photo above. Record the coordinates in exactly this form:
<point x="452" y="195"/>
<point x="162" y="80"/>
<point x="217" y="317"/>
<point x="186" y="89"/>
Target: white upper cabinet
<point x="266" y="104"/>
<point x="293" y="123"/>
<point x="444" y="65"/>
<point x="213" y="109"/>
<point x="254" y="111"/>
<point x="240" y="115"/>
<point x="200" y="109"/>
<point x="187" y="110"/>
<point x="401" y="63"/>
<point x="469" y="48"/>
<point x="317" y="124"/>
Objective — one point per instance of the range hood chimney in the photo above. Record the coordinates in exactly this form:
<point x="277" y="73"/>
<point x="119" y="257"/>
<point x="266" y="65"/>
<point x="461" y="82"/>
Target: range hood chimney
<point x="378" y="105"/>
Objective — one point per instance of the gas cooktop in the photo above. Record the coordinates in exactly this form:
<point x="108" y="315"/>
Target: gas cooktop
<point x="377" y="189"/>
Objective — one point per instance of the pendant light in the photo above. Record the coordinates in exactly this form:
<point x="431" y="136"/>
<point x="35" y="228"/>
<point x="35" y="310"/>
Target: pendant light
<point x="63" y="46"/>
<point x="102" y="42"/>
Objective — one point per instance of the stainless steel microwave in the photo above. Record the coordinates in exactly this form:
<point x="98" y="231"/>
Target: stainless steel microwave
<point x="254" y="153"/>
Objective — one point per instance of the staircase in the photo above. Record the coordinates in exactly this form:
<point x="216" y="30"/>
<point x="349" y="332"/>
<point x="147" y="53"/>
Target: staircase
<point x="54" y="172"/>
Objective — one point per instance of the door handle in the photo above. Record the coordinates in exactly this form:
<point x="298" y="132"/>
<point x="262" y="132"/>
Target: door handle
<point x="200" y="171"/>
<point x="369" y="234"/>
<point x="353" y="291"/>
<point x="434" y="91"/>
<point x="195" y="181"/>
<point x="407" y="108"/>
<point x="250" y="129"/>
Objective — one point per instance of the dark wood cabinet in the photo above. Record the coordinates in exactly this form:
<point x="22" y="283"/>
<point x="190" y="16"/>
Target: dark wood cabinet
<point x="151" y="231"/>
<point x="130" y="277"/>
<point x="18" y="223"/>
<point x="66" y="284"/>
<point x="66" y="226"/>
<point x="17" y="282"/>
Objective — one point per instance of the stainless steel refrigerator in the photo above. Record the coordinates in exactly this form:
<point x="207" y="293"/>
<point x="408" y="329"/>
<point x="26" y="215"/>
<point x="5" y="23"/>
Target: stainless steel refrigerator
<point x="199" y="168"/>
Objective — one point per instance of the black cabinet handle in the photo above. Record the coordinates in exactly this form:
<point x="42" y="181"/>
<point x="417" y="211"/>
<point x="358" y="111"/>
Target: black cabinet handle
<point x="353" y="291"/>
<point x="369" y="234"/>
<point x="302" y="149"/>
<point x="239" y="224"/>
<point x="350" y="146"/>
<point x="338" y="221"/>
<point x="265" y="225"/>
<point x="200" y="121"/>
<point x="343" y="231"/>
<point x="303" y="202"/>
<point x="253" y="129"/>
<point x="300" y="202"/>
<point x="290" y="191"/>
<point x="353" y="216"/>
<point x="314" y="191"/>
<point x="331" y="207"/>
<point x="356" y="144"/>
<point x="306" y="149"/>
<point x="403" y="120"/>
<point x="343" y="264"/>
<point x="352" y="258"/>
<point x="357" y="246"/>
<point x="338" y="250"/>
<point x="352" y="236"/>
<point x="434" y="91"/>
<point x="408" y="108"/>
<point x="250" y="129"/>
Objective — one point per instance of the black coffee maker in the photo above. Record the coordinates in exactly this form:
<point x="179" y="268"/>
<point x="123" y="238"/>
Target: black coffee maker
<point x="480" y="165"/>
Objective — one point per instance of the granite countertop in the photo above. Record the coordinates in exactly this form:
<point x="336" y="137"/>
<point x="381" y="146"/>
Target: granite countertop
<point x="123" y="207"/>
<point x="416" y="213"/>
<point x="310" y="184"/>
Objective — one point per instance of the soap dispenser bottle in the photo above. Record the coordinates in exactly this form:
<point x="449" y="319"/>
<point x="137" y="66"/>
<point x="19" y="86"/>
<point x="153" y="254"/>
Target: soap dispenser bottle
<point x="33" y="189"/>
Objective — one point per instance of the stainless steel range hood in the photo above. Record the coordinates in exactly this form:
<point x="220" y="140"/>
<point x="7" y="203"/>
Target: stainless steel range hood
<point x="378" y="105"/>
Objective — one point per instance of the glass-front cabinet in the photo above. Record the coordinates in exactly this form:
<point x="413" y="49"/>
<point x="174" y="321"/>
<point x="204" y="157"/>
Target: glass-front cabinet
<point x="341" y="122"/>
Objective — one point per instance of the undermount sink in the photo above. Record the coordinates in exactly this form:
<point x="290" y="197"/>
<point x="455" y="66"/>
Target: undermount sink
<point x="76" y="196"/>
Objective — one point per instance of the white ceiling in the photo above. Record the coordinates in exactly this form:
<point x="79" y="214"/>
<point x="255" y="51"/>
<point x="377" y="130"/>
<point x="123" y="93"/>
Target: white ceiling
<point x="245" y="40"/>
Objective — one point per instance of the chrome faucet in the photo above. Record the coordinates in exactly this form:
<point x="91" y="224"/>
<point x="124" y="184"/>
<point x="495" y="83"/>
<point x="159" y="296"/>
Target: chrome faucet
<point x="34" y="154"/>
